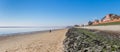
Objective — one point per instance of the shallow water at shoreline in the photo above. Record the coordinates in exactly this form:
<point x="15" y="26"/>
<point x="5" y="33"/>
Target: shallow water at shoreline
<point x="9" y="31"/>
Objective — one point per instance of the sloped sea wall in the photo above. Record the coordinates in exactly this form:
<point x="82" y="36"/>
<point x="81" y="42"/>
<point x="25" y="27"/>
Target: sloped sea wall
<point x="84" y="40"/>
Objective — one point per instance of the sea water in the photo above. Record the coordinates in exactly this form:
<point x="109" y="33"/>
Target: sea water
<point x="10" y="31"/>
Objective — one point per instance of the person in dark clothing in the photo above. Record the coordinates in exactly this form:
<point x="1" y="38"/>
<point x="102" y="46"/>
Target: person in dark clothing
<point x="50" y="31"/>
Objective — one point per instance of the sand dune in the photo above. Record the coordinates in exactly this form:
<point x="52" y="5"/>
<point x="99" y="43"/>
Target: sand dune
<point x="37" y="42"/>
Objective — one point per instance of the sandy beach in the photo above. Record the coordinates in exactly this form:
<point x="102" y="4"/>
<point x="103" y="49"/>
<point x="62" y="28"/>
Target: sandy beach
<point x="36" y="42"/>
<point x="115" y="28"/>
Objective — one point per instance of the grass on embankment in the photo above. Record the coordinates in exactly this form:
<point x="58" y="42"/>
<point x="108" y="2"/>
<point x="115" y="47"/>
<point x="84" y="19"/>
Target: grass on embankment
<point x="104" y="37"/>
<point x="111" y="23"/>
<point x="82" y="40"/>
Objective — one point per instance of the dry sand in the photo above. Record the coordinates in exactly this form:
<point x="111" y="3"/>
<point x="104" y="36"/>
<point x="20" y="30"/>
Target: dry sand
<point x="115" y="28"/>
<point x="37" y="42"/>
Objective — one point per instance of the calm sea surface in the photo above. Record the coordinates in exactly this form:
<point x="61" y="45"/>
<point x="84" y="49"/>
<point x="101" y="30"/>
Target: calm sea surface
<point x="7" y="31"/>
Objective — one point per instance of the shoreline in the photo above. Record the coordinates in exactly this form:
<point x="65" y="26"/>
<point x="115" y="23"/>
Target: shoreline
<point x="4" y="36"/>
<point x="30" y="32"/>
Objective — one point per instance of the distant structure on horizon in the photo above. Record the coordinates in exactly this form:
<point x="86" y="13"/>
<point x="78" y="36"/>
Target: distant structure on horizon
<point x="108" y="18"/>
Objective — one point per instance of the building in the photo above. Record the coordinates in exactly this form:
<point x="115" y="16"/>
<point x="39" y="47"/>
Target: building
<point x="108" y="18"/>
<point x="95" y="22"/>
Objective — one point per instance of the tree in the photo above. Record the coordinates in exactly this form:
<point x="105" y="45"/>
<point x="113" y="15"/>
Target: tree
<point x="90" y="23"/>
<point x="97" y="20"/>
<point x="76" y="25"/>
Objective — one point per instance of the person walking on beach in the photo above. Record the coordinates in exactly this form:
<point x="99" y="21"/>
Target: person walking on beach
<point x="50" y="31"/>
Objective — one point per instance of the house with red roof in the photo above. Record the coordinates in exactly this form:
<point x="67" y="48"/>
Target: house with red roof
<point x="108" y="18"/>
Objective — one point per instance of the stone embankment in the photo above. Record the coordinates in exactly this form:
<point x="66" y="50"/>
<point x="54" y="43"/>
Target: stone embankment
<point x="84" y="40"/>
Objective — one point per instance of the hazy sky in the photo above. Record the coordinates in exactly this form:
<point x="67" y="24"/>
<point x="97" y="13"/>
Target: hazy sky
<point x="54" y="12"/>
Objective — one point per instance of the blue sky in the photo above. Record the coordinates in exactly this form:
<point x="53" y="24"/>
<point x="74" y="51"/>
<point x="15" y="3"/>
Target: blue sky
<point x="54" y="12"/>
